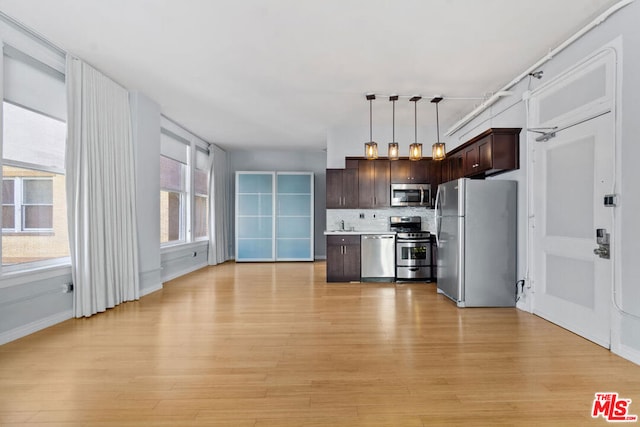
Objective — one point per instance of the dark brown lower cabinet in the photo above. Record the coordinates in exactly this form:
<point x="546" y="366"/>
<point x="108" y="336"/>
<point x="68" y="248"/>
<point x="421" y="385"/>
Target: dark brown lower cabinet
<point x="343" y="258"/>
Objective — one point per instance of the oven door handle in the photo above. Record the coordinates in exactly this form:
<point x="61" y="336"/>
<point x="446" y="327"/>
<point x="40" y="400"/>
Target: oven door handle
<point x="400" y="241"/>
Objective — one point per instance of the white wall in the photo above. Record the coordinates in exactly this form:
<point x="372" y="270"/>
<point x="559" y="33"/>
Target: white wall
<point x="348" y="140"/>
<point x="146" y="136"/>
<point x="288" y="161"/>
<point x="625" y="333"/>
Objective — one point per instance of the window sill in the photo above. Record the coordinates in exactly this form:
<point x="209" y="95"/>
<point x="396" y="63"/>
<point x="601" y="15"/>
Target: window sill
<point x="29" y="274"/>
<point x="179" y="247"/>
<point x="28" y="233"/>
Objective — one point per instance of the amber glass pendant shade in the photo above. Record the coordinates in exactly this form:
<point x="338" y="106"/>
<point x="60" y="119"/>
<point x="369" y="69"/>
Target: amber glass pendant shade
<point x="371" y="150"/>
<point x="415" y="151"/>
<point x="394" y="151"/>
<point x="438" y="151"/>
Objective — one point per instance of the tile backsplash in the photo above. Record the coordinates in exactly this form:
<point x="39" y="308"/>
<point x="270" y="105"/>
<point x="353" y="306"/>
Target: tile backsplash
<point x="377" y="219"/>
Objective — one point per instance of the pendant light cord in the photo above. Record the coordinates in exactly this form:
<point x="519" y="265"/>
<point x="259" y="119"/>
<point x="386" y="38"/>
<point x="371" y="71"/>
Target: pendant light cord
<point x="415" y="120"/>
<point x="370" y="123"/>
<point x="437" y="124"/>
<point x="393" y="123"/>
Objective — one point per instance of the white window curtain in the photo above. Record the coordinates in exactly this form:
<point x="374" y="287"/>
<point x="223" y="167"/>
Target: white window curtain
<point x="218" y="206"/>
<point x="100" y="191"/>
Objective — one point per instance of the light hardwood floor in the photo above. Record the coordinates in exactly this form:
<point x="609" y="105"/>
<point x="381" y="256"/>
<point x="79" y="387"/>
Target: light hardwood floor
<point x="274" y="345"/>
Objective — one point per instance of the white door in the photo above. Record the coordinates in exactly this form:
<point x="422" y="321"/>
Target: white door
<point x="571" y="174"/>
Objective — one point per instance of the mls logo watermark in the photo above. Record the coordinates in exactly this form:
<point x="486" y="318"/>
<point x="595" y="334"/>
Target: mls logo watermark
<point x="612" y="408"/>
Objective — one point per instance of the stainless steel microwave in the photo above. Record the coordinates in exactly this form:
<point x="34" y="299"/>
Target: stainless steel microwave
<point x="411" y="195"/>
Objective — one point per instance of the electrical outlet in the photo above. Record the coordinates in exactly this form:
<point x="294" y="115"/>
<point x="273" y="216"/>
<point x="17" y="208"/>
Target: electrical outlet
<point x="67" y="288"/>
<point x="361" y="215"/>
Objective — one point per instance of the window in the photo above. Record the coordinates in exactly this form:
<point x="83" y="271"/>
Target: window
<point x="34" y="218"/>
<point x="201" y="196"/>
<point x="27" y="203"/>
<point x="173" y="189"/>
<point x="184" y="186"/>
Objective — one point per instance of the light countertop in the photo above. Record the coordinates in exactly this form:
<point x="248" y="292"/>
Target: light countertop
<point x="355" y="232"/>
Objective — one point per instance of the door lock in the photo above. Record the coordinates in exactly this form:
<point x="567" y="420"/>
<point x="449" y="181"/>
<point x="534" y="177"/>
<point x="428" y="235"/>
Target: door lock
<point x="602" y="239"/>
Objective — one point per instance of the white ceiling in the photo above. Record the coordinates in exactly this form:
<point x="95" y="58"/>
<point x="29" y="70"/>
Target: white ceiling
<point x="282" y="73"/>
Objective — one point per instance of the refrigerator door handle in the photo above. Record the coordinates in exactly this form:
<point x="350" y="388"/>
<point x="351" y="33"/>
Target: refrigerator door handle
<point x="437" y="233"/>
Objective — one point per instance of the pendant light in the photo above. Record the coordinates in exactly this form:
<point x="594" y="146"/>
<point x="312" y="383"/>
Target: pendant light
<point x="394" y="151"/>
<point x="415" y="149"/>
<point x="438" y="149"/>
<point x="371" y="147"/>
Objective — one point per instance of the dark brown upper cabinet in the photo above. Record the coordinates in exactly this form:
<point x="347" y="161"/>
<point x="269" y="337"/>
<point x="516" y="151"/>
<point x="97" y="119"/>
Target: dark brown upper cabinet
<point x="494" y="151"/>
<point x="410" y="172"/>
<point x="342" y="188"/>
<point x="374" y="183"/>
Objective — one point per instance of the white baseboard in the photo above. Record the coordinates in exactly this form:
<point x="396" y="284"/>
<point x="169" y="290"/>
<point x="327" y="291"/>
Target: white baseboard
<point x="187" y="270"/>
<point x="24" y="330"/>
<point x="150" y="289"/>
<point x="628" y="353"/>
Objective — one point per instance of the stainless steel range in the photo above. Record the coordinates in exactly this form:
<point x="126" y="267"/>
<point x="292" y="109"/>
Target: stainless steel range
<point x="413" y="249"/>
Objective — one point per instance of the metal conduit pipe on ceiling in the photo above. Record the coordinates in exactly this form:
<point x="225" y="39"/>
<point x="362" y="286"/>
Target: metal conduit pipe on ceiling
<point x="505" y="90"/>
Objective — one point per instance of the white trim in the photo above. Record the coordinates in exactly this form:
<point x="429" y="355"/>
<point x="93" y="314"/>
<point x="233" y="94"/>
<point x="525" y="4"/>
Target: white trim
<point x="150" y="289"/>
<point x="20" y="277"/>
<point x="628" y="353"/>
<point x="27" y="41"/>
<point x="38" y="325"/>
<point x="183" y="247"/>
<point x="184" y="271"/>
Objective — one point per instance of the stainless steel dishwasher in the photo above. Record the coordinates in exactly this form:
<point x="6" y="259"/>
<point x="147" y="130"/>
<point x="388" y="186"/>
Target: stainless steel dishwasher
<point x="377" y="262"/>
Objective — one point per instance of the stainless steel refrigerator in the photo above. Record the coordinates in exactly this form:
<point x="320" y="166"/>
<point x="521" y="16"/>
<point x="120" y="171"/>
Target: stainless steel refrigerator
<point x="476" y="235"/>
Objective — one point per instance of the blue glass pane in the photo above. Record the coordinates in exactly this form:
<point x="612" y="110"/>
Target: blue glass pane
<point x="260" y="227"/>
<point x="294" y="227"/>
<point x="294" y="205"/>
<point x="294" y="249"/>
<point x="265" y="204"/>
<point x="255" y="183"/>
<point x="248" y="204"/>
<point x="255" y="204"/>
<point x="294" y="184"/>
<point x="254" y="248"/>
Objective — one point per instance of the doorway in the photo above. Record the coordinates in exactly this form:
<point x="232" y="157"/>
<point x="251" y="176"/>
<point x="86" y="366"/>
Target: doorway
<point x="572" y="172"/>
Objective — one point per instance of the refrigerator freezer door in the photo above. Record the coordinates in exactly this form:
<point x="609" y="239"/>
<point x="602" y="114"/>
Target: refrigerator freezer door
<point x="490" y="243"/>
<point x="450" y="261"/>
<point x="450" y="198"/>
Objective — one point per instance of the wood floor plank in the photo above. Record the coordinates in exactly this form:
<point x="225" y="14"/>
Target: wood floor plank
<point x="275" y="345"/>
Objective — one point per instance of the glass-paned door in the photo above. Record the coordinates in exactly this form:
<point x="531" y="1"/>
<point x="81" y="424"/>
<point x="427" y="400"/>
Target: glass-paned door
<point x="294" y="224"/>
<point x="255" y="216"/>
